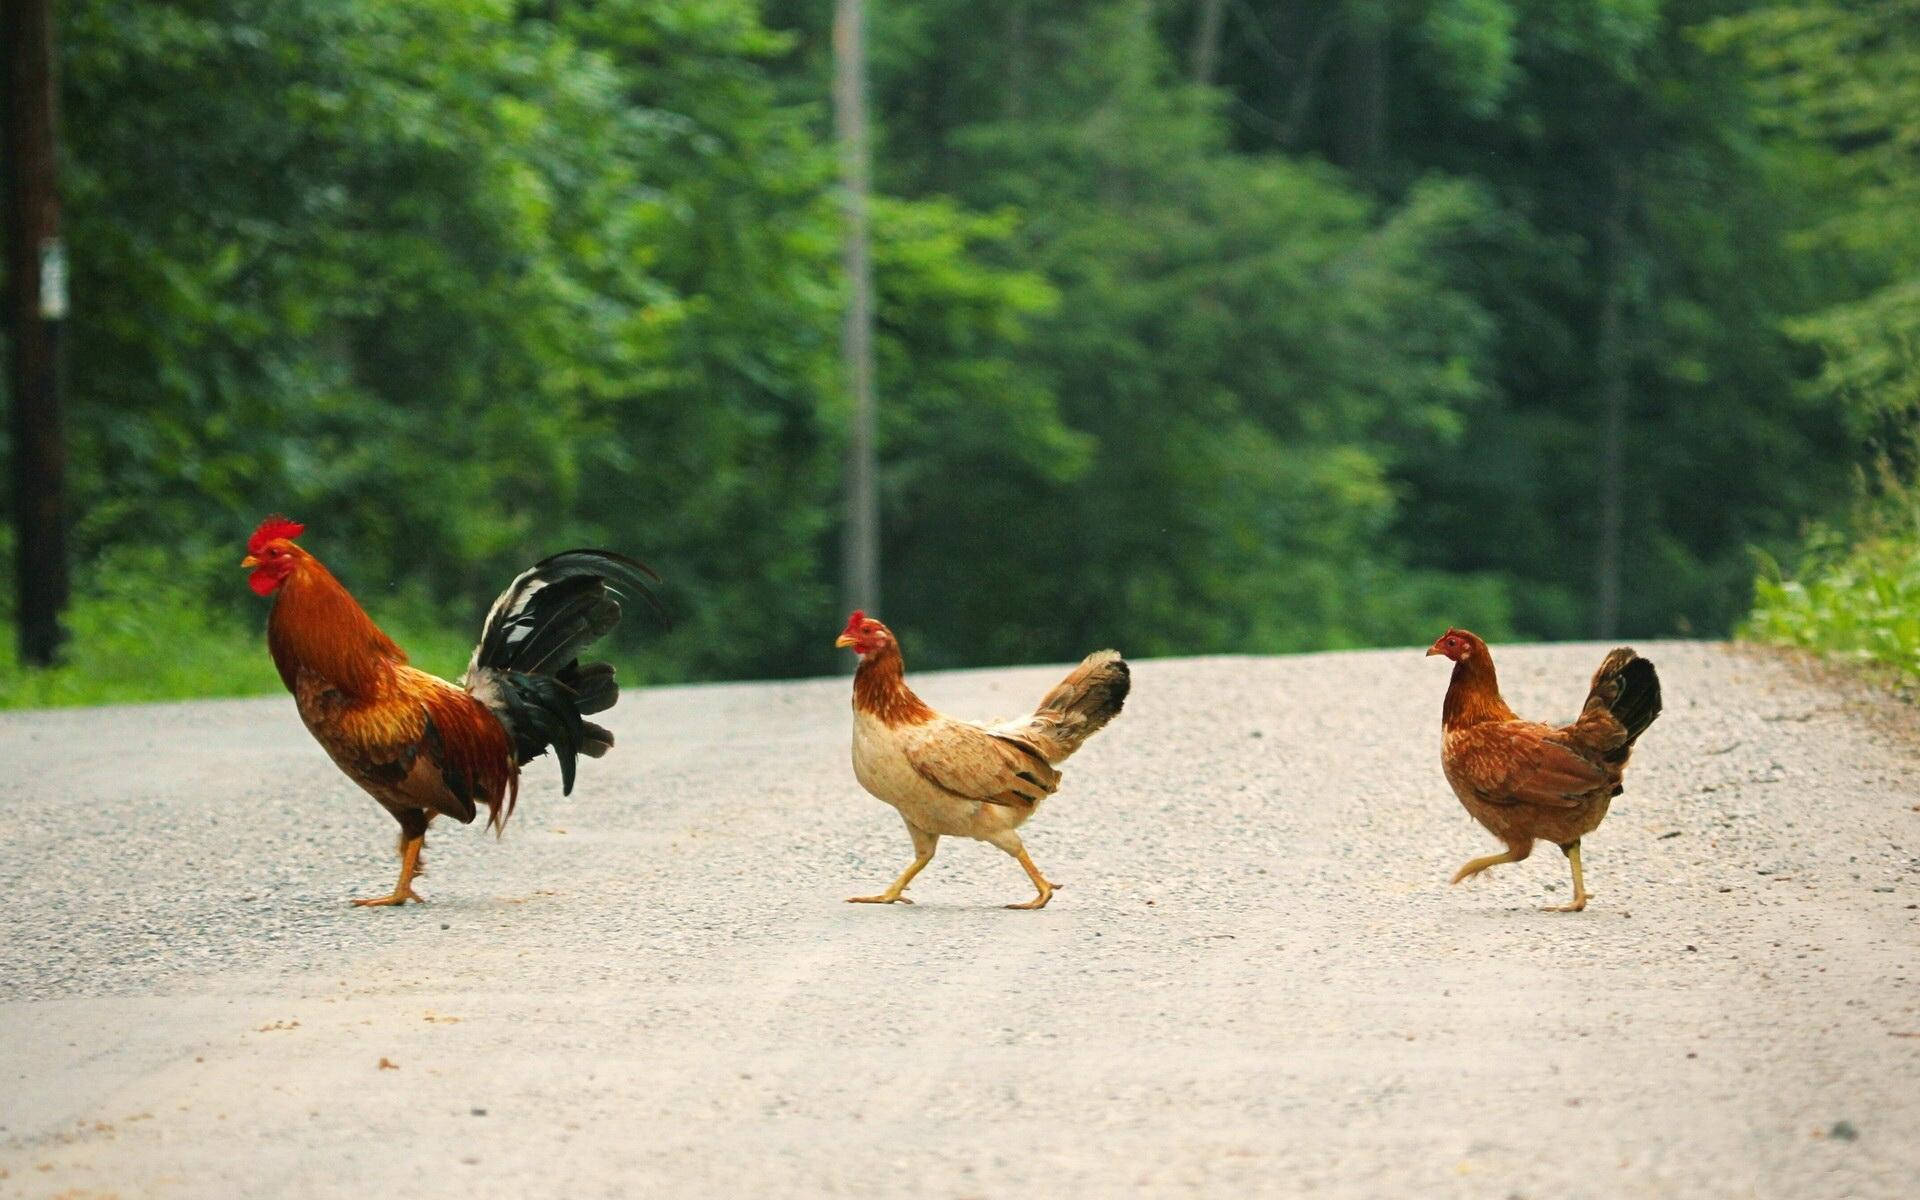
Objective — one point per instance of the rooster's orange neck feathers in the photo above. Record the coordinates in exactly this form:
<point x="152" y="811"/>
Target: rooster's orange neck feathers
<point x="880" y="689"/>
<point x="316" y="625"/>
<point x="1473" y="695"/>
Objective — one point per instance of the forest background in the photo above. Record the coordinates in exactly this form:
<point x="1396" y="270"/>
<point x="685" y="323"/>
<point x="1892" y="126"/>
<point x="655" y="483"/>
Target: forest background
<point x="1202" y="325"/>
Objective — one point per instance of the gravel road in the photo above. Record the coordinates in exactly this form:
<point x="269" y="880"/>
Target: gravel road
<point x="1254" y="981"/>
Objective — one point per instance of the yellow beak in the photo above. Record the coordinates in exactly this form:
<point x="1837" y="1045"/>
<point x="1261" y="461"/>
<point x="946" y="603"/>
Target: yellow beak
<point x="249" y="562"/>
<point x="842" y="642"/>
<point x="1432" y="650"/>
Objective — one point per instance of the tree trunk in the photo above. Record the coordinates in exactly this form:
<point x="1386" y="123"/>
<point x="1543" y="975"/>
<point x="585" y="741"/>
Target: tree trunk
<point x="1361" y="133"/>
<point x="1208" y="27"/>
<point x="1019" y="65"/>
<point x="860" y="558"/>
<point x="36" y="304"/>
<point x="1610" y="355"/>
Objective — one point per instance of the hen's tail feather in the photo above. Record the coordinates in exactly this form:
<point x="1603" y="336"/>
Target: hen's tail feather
<point x="1080" y="706"/>
<point x="1630" y="688"/>
<point x="526" y="667"/>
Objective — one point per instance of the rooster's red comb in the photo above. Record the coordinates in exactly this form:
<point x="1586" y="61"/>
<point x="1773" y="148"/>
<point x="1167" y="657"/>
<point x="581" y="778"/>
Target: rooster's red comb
<point x="273" y="529"/>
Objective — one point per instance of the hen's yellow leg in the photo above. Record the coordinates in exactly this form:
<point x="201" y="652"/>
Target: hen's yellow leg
<point x="1579" y="882"/>
<point x="924" y="844"/>
<point x="409" y="867"/>
<point x="1039" y="881"/>
<point x="1478" y="865"/>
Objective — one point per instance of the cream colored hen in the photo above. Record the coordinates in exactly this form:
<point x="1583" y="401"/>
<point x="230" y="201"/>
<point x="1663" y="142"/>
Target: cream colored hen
<point x="956" y="778"/>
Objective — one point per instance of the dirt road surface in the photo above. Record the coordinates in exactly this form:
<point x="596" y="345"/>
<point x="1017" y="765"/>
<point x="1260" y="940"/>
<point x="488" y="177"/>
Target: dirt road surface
<point x="1255" y="980"/>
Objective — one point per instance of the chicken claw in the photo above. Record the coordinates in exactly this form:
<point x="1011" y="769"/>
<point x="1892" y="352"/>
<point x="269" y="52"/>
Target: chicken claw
<point x="399" y="896"/>
<point x="924" y="845"/>
<point x="1040" y="901"/>
<point x="1475" y="866"/>
<point x="409" y="867"/>
<point x="1047" y="889"/>
<point x="1579" y="882"/>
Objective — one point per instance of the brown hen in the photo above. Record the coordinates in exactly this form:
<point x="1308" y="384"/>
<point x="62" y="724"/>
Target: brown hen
<point x="1526" y="781"/>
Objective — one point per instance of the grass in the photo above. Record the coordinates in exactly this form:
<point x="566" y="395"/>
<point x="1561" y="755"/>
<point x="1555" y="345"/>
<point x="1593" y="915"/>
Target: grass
<point x="120" y="653"/>
<point x="1857" y="602"/>
<point x="139" y="635"/>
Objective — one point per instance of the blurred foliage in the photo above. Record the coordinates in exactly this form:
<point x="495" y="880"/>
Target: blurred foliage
<point x="140" y="633"/>
<point x="1851" y="595"/>
<point x="1309" y="352"/>
<point x="1839" y="84"/>
<point x="457" y="285"/>
<point x="1239" y="346"/>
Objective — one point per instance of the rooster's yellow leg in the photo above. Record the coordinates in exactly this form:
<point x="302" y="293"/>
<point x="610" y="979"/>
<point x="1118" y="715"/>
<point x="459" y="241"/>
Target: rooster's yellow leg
<point x="1039" y="881"/>
<point x="1478" y="865"/>
<point x="924" y="844"/>
<point x="1579" y="881"/>
<point x="409" y="867"/>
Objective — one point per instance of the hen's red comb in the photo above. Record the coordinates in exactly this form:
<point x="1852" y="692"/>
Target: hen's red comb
<point x="273" y="529"/>
<point x="853" y="622"/>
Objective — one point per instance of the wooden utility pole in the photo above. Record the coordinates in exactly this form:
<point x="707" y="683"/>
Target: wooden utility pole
<point x="1360" y="143"/>
<point x="861" y="545"/>
<point x="1610" y="354"/>
<point x="36" y="304"/>
<point x="1209" y="24"/>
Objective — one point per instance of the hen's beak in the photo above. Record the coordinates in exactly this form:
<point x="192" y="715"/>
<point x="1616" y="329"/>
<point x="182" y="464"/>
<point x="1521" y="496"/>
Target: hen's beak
<point x="842" y="642"/>
<point x="249" y="562"/>
<point x="1432" y="650"/>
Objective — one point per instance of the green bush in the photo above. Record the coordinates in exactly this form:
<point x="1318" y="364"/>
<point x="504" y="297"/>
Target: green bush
<point x="1860" y="600"/>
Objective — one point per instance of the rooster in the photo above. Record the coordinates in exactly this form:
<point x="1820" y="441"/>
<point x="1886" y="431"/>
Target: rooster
<point x="1524" y="780"/>
<point x="949" y="777"/>
<point x="419" y="745"/>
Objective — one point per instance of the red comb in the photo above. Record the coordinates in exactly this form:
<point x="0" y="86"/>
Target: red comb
<point x="273" y="529"/>
<point x="853" y="622"/>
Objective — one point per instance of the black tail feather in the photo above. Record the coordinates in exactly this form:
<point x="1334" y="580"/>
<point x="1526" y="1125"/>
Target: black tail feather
<point x="526" y="668"/>
<point x="552" y="625"/>
<point x="559" y="606"/>
<point x="594" y="686"/>
<point x="1628" y="687"/>
<point x="1639" y="700"/>
<point x="598" y="740"/>
<point x="538" y="712"/>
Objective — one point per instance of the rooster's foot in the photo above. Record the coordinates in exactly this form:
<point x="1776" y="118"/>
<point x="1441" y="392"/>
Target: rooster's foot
<point x="883" y="898"/>
<point x="400" y="896"/>
<point x="410" y="848"/>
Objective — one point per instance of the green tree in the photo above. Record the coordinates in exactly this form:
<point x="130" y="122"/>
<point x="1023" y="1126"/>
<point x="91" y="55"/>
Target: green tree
<point x="1838" y="86"/>
<point x="1241" y="349"/>
<point x="1633" y="264"/>
<point x="1839" y="83"/>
